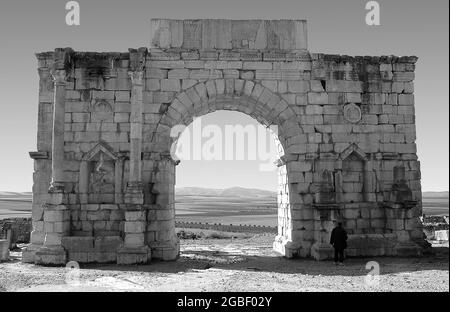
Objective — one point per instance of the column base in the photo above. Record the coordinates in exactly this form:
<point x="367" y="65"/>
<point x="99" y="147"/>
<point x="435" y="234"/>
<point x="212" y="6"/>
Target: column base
<point x="53" y="255"/>
<point x="322" y="251"/>
<point x="134" y="193"/>
<point x="29" y="253"/>
<point x="166" y="251"/>
<point x="134" y="198"/>
<point x="287" y="248"/>
<point x="136" y="255"/>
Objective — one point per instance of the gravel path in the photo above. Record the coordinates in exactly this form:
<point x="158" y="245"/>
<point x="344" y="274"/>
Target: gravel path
<point x="234" y="265"/>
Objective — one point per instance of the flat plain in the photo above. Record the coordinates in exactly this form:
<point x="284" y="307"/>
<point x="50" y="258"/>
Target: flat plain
<point x="250" y="208"/>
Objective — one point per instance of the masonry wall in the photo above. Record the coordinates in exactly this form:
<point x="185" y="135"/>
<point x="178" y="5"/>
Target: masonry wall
<point x="347" y="123"/>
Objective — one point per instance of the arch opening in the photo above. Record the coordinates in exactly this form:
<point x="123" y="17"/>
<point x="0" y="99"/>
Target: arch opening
<point x="234" y="189"/>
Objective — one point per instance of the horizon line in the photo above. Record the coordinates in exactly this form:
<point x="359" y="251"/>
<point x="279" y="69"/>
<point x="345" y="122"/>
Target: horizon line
<point x="224" y="188"/>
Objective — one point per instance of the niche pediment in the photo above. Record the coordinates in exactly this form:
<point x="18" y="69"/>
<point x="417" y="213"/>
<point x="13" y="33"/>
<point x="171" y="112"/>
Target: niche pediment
<point x="101" y="147"/>
<point x="355" y="150"/>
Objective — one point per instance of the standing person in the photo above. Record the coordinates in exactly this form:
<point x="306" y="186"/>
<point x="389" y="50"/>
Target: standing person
<point x="339" y="241"/>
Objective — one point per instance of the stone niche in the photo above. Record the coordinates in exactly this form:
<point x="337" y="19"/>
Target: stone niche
<point x="352" y="179"/>
<point x="353" y="183"/>
<point x="101" y="176"/>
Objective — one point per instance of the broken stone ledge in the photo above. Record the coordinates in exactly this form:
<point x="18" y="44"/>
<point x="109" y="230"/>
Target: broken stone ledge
<point x="84" y="59"/>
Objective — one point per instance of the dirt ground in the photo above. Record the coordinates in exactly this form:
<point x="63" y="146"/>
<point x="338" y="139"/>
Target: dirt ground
<point x="242" y="264"/>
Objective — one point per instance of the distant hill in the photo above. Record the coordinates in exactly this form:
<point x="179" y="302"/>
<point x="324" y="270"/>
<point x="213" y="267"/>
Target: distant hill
<point x="201" y="191"/>
<point x="246" y="192"/>
<point x="229" y="192"/>
<point x="435" y="194"/>
<point x="197" y="191"/>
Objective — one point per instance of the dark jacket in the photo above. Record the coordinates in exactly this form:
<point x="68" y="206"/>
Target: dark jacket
<point x="338" y="238"/>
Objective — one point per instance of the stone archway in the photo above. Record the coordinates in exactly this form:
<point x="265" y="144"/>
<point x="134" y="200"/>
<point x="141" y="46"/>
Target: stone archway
<point x="346" y="124"/>
<point x="266" y="107"/>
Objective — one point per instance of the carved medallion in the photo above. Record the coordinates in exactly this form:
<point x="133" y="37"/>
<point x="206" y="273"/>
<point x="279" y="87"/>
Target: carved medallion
<point x="102" y="111"/>
<point x="352" y="113"/>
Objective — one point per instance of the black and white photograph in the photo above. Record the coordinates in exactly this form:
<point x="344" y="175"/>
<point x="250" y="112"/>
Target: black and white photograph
<point x="231" y="148"/>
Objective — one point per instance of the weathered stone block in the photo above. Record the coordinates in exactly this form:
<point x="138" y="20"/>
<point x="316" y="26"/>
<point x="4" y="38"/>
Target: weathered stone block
<point x="56" y="215"/>
<point x="134" y="240"/>
<point x="404" y="76"/>
<point x="4" y="250"/>
<point x="406" y="99"/>
<point x="298" y="86"/>
<point x="104" y="257"/>
<point x="256" y="65"/>
<point x="152" y="84"/>
<point x="170" y="85"/>
<point x="78" y="243"/>
<point x="80" y="257"/>
<point x="133" y="256"/>
<point x="188" y="83"/>
<point x="122" y="96"/>
<point x="156" y="73"/>
<point x="317" y="98"/>
<point x="108" y="244"/>
<point x="134" y="227"/>
<point x="180" y="73"/>
<point x="135" y="215"/>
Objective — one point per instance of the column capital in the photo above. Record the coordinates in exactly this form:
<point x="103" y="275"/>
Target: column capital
<point x="59" y="76"/>
<point x="137" y="77"/>
<point x="44" y="72"/>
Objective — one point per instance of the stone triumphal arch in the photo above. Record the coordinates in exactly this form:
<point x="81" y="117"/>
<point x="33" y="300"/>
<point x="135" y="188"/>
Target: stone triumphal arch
<point x="104" y="175"/>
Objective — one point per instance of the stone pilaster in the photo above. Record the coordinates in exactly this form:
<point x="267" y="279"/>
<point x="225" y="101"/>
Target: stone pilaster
<point x="135" y="249"/>
<point x="284" y="242"/>
<point x="57" y="182"/>
<point x="161" y="236"/>
<point x="56" y="213"/>
<point x="369" y="189"/>
<point x="134" y="193"/>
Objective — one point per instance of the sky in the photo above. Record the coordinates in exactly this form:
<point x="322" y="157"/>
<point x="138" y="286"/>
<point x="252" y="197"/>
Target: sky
<point x="408" y="27"/>
<point x="224" y="160"/>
